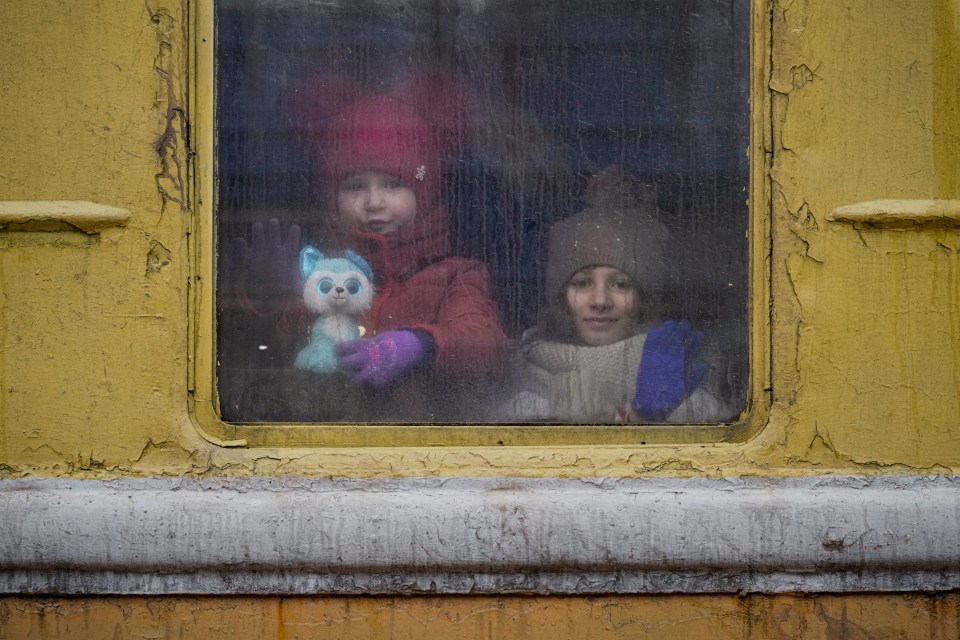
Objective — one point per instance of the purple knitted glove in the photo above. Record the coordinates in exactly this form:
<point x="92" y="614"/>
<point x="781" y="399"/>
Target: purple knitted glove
<point x="669" y="370"/>
<point x="381" y="360"/>
<point x="270" y="263"/>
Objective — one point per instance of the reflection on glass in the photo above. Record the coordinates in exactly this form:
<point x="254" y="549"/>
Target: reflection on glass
<point x="546" y="200"/>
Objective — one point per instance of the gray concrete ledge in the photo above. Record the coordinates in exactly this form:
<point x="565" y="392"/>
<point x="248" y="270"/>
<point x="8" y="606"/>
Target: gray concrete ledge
<point x="479" y="535"/>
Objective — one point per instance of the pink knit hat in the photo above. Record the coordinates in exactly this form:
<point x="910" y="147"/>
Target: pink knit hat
<point x="380" y="133"/>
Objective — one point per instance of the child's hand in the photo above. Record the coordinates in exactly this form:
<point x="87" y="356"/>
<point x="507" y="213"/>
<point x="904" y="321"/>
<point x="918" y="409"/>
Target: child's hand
<point x="381" y="360"/>
<point x="669" y="370"/>
<point x="270" y="263"/>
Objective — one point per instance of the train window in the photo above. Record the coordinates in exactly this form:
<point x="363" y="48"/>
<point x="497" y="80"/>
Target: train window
<point x="481" y="211"/>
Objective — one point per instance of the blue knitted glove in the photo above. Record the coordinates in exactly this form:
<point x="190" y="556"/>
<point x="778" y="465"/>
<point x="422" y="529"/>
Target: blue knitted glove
<point x="669" y="370"/>
<point x="381" y="360"/>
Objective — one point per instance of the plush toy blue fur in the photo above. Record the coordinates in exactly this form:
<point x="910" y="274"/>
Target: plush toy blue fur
<point x="338" y="290"/>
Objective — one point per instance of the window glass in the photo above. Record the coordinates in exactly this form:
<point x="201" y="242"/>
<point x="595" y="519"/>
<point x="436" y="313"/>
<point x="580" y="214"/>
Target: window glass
<point x="482" y="210"/>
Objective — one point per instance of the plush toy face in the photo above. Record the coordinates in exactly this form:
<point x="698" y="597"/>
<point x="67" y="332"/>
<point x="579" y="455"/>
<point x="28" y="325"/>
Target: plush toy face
<point x="336" y="286"/>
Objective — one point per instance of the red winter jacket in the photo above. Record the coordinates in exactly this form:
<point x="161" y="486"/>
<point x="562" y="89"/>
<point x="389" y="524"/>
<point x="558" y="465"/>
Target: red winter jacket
<point x="420" y="286"/>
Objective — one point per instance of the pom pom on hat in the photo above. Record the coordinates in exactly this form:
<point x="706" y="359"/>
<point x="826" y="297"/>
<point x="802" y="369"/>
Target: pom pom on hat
<point x="445" y="102"/>
<point x="318" y="99"/>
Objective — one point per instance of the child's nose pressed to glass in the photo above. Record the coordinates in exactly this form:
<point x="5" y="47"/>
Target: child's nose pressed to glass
<point x="376" y="202"/>
<point x="604" y="305"/>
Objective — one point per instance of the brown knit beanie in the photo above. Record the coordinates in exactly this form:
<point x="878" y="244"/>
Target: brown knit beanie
<point x="629" y="239"/>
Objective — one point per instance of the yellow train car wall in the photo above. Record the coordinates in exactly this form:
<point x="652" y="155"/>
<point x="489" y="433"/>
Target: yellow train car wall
<point x="832" y="511"/>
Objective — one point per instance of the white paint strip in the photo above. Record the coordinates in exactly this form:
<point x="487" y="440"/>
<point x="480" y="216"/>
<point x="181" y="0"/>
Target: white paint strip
<point x="506" y="535"/>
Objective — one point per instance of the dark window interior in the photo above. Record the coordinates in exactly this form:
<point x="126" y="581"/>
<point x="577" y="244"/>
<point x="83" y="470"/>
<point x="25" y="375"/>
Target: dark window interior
<point x="562" y="91"/>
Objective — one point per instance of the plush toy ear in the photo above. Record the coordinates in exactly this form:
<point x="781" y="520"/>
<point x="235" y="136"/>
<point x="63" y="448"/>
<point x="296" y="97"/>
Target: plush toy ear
<point x="309" y="257"/>
<point x="360" y="262"/>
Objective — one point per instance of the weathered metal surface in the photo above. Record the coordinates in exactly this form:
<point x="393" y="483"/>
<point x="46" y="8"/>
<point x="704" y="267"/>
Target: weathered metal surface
<point x="496" y="535"/>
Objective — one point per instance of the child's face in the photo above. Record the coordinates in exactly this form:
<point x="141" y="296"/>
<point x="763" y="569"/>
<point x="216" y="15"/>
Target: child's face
<point x="604" y="305"/>
<point x="376" y="202"/>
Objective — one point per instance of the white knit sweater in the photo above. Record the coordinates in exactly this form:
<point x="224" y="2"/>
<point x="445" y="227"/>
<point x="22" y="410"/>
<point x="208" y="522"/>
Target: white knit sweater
<point x="556" y="381"/>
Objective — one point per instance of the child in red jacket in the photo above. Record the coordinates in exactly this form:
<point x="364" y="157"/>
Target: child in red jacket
<point x="432" y="312"/>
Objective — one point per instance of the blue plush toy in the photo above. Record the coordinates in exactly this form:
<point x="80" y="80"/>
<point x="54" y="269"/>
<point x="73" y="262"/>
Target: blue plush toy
<point x="338" y="290"/>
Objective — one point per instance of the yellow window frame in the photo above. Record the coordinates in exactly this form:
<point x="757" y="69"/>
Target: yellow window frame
<point x="202" y="362"/>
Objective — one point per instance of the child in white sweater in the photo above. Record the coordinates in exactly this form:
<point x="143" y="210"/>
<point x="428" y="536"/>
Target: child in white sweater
<point x="590" y="359"/>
